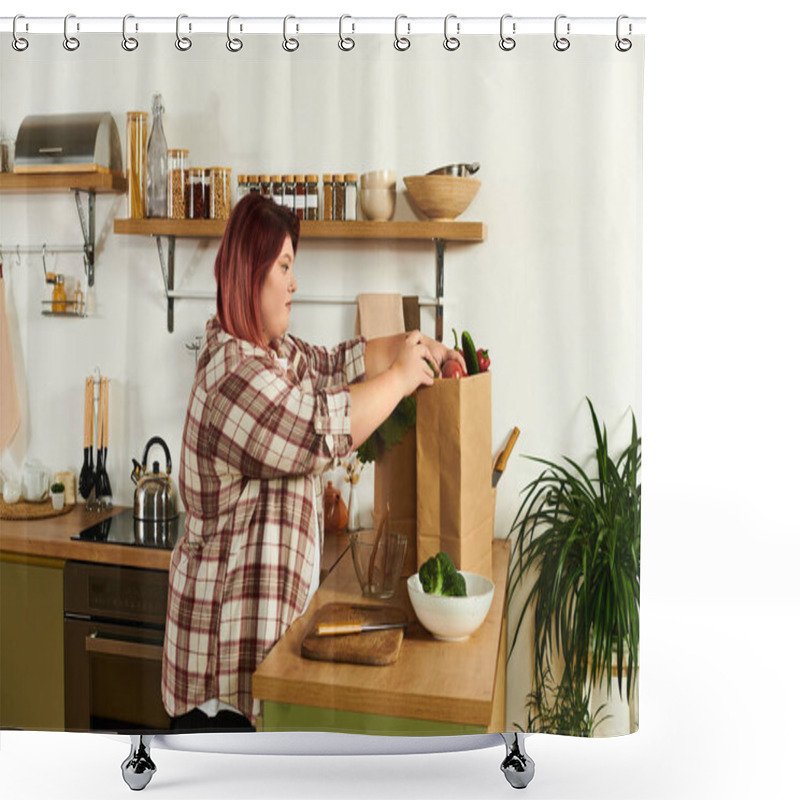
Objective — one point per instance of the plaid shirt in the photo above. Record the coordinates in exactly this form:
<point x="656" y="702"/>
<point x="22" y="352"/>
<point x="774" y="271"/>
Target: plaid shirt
<point x="255" y="442"/>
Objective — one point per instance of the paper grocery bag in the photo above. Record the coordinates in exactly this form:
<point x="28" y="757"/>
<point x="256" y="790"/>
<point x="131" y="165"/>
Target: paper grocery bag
<point x="455" y="509"/>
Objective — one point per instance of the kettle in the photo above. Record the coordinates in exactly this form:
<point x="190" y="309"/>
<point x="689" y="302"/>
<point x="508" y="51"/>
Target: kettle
<point x="154" y="499"/>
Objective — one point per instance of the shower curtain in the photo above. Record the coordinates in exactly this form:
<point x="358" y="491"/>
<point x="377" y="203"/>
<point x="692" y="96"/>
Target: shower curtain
<point x="551" y="288"/>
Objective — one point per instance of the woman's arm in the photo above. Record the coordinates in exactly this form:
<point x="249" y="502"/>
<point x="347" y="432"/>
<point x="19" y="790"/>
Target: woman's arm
<point x="381" y="352"/>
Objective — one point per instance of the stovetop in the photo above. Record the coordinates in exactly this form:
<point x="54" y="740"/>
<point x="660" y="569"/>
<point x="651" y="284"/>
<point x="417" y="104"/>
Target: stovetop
<point x="123" y="529"/>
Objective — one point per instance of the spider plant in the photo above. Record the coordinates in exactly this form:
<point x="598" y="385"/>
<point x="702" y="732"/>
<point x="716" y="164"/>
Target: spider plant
<point x="581" y="537"/>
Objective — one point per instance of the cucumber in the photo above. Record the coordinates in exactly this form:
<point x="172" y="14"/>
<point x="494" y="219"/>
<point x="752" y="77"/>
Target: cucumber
<point x="470" y="355"/>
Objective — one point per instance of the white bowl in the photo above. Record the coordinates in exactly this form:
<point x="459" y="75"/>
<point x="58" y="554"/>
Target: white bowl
<point x="378" y="204"/>
<point x="452" y="619"/>
<point x="379" y="179"/>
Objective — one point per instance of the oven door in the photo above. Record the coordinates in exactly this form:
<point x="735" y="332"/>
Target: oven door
<point x="112" y="676"/>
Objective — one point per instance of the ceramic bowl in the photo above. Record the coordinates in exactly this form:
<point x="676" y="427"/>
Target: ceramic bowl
<point x="378" y="204"/>
<point x="452" y="619"/>
<point x="441" y="197"/>
<point x="379" y="179"/>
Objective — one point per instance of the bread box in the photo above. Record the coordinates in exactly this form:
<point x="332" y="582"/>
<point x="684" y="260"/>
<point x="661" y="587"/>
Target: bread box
<point x="87" y="142"/>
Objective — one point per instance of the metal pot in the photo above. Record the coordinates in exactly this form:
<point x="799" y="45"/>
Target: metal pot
<point x="154" y="499"/>
<point x="458" y="170"/>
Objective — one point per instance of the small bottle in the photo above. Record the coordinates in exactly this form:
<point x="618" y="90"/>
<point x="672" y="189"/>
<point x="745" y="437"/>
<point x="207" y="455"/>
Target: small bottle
<point x="327" y="196"/>
<point x="288" y="192"/>
<point x="137" y="163"/>
<point x="78" y="300"/>
<point x="338" y="197"/>
<point x="277" y="189"/>
<point x="300" y="196"/>
<point x="157" y="176"/>
<point x="59" y="295"/>
<point x="312" y="198"/>
<point x="350" y="195"/>
<point x="219" y="193"/>
<point x="264" y="185"/>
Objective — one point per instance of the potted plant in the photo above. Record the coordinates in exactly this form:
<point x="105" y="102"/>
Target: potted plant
<point x="57" y="496"/>
<point x="579" y="539"/>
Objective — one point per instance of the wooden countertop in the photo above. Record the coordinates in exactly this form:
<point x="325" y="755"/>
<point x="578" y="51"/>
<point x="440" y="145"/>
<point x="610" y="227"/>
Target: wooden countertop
<point x="432" y="680"/>
<point x="51" y="538"/>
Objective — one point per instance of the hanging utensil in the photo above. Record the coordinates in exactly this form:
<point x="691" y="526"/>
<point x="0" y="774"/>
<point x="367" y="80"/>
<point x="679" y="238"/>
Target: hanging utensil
<point x="98" y="469"/>
<point x="105" y="483"/>
<point x="86" y="479"/>
<point x="502" y="459"/>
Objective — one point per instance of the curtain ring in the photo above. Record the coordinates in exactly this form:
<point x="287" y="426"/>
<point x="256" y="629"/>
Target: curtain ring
<point x="401" y="42"/>
<point x="70" y="42"/>
<point x="507" y="42"/>
<point x="345" y="42"/>
<point x="129" y="43"/>
<point x="183" y="43"/>
<point x="451" y="42"/>
<point x="19" y="43"/>
<point x="289" y="44"/>
<point x="234" y="45"/>
<point x="561" y="43"/>
<point x="623" y="45"/>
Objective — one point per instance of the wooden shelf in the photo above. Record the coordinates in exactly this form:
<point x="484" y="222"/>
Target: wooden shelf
<point x="317" y="229"/>
<point x="98" y="182"/>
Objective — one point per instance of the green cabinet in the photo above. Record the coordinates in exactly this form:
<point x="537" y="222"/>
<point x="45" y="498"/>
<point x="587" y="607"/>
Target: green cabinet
<point x="31" y="642"/>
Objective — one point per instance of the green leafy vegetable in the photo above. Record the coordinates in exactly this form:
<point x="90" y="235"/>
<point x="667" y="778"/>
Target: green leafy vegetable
<point x="390" y="432"/>
<point x="439" y="576"/>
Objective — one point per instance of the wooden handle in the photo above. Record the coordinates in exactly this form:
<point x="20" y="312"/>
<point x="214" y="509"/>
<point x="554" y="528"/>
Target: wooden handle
<point x="105" y="413"/>
<point x="86" y="401"/>
<point x="336" y="628"/>
<point x="117" y="647"/>
<point x="502" y="460"/>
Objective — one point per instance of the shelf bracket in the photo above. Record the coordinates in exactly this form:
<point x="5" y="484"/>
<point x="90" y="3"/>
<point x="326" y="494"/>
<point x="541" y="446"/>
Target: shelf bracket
<point x="87" y="228"/>
<point x="440" y="243"/>
<point x="168" y="274"/>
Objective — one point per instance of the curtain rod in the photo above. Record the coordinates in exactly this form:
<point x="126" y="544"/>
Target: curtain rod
<point x="406" y="25"/>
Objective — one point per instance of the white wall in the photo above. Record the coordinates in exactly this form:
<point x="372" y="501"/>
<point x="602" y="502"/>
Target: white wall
<point x="554" y="292"/>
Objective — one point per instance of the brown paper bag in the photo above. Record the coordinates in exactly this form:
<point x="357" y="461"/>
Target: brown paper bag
<point x="455" y="509"/>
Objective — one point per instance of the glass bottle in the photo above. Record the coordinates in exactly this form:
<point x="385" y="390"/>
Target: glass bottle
<point x="312" y="198"/>
<point x="137" y="163"/>
<point x="350" y="195"/>
<point x="176" y="199"/>
<point x="300" y="196"/>
<point x="264" y="183"/>
<point x="59" y="295"/>
<point x="277" y="189"/>
<point x="78" y="300"/>
<point x="288" y="192"/>
<point x="327" y="196"/>
<point x="157" y="164"/>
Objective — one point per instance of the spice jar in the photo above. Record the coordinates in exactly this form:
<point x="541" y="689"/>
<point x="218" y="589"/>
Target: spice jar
<point x="276" y="192"/>
<point x="263" y="184"/>
<point x="350" y="195"/>
<point x="288" y="192"/>
<point x="338" y="197"/>
<point x="176" y="169"/>
<point x="77" y="298"/>
<point x="59" y="295"/>
<point x="300" y="196"/>
<point x="219" y="192"/>
<point x="196" y="193"/>
<point x="312" y="198"/>
<point x="327" y="196"/>
<point x="137" y="163"/>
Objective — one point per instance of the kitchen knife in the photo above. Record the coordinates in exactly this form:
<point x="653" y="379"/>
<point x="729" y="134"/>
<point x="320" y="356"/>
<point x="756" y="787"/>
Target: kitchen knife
<point x="341" y="628"/>
<point x="502" y="459"/>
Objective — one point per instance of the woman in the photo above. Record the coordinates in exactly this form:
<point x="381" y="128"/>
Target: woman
<point x="268" y="414"/>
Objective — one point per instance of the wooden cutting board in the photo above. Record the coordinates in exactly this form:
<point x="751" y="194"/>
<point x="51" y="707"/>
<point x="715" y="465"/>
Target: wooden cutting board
<point x="375" y="648"/>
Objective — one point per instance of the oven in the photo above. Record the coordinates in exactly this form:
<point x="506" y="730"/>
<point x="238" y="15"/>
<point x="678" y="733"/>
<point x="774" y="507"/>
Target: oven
<point x="114" y="619"/>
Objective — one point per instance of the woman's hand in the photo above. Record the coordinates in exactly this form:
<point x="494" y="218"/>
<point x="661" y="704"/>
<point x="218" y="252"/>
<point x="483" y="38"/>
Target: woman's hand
<point x="442" y="353"/>
<point x="411" y="365"/>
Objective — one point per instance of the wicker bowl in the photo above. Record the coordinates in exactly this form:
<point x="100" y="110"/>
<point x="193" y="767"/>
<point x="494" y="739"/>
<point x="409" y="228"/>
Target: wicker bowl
<point x="441" y="197"/>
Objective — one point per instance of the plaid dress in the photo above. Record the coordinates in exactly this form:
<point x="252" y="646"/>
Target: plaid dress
<point x="255" y="442"/>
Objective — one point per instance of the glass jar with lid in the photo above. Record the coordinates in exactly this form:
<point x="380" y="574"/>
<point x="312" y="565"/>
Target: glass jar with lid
<point x="176" y="170"/>
<point x="327" y="196"/>
<point x="350" y="195"/>
<point x="338" y="197"/>
<point x="312" y="197"/>
<point x="277" y="189"/>
<point x="196" y="193"/>
<point x="288" y="192"/>
<point x="300" y="196"/>
<point x="219" y="192"/>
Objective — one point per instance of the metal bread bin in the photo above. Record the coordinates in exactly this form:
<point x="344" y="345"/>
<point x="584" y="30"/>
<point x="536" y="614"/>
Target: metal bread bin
<point x="68" y="142"/>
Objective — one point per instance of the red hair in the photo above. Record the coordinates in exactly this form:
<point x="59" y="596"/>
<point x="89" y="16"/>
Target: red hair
<point x="252" y="242"/>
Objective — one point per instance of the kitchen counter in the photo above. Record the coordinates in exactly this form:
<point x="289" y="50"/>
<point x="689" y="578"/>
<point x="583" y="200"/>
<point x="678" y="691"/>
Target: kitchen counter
<point x="51" y="538"/>
<point x="457" y="686"/>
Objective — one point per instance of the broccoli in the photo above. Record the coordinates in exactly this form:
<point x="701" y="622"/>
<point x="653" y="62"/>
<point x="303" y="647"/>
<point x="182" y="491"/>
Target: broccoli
<point x="439" y="576"/>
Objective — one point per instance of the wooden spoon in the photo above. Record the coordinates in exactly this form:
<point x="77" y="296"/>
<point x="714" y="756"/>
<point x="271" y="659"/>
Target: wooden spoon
<point x="86" y="478"/>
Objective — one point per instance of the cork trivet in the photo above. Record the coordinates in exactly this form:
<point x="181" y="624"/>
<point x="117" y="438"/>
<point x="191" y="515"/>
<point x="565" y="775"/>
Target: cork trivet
<point x="24" y="510"/>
